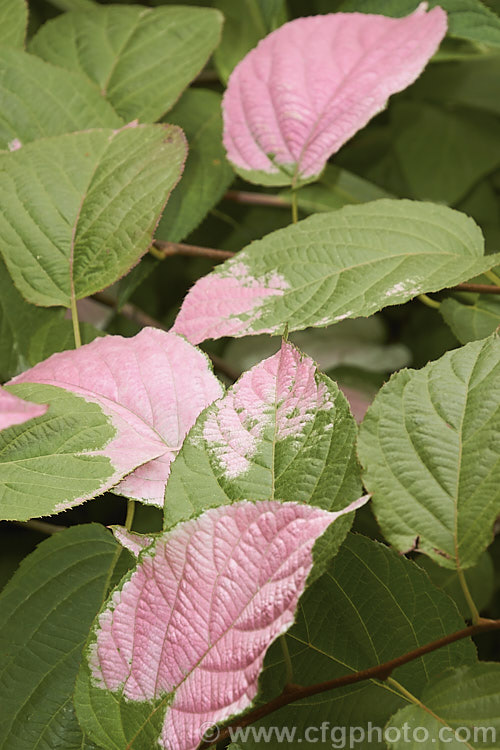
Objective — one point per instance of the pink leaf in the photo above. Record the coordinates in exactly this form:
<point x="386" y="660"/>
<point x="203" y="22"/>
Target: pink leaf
<point x="309" y="86"/>
<point x="135" y="543"/>
<point x="199" y="612"/>
<point x="153" y="387"/>
<point x="15" y="410"/>
<point x="218" y="304"/>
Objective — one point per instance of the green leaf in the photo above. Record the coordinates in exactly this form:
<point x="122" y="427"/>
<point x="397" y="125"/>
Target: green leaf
<point x="480" y="582"/>
<point x="207" y="173"/>
<point x="19" y="323"/>
<point x="53" y="462"/>
<point x="328" y="267"/>
<point x="141" y="58"/>
<point x="37" y="100"/>
<point x="431" y="459"/>
<point x="471" y="322"/>
<point x="283" y="431"/>
<point x="80" y="209"/>
<point x="245" y="24"/>
<point x="13" y="22"/>
<point x="334" y="189"/>
<point x="443" y="154"/>
<point x="468" y="84"/>
<point x="56" y="335"/>
<point x="467" y="19"/>
<point x="465" y="700"/>
<point x="45" y="616"/>
<point x="371" y="606"/>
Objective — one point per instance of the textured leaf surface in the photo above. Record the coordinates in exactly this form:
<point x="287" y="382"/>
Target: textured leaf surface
<point x="19" y="323"/>
<point x="466" y="700"/>
<point x="244" y="25"/>
<point x="282" y="431"/>
<point x="310" y="85"/>
<point x="329" y="267"/>
<point x="431" y="458"/>
<point x="371" y="606"/>
<point x="15" y="410"/>
<point x="207" y="174"/>
<point x="443" y="154"/>
<point x="186" y="634"/>
<point x="472" y="322"/>
<point x="79" y="210"/>
<point x="13" y="22"/>
<point x="141" y="58"/>
<point x="467" y="19"/>
<point x="38" y="100"/>
<point x="60" y="459"/>
<point x="46" y="612"/>
<point x="152" y="386"/>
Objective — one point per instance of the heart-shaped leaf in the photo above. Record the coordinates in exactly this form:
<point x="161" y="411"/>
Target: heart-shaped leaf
<point x="182" y="641"/>
<point x="80" y="209"/>
<point x="343" y="264"/>
<point x="309" y="86"/>
<point x="15" y="410"/>
<point x="141" y="58"/>
<point x="38" y="99"/>
<point x="282" y="431"/>
<point x="429" y="448"/>
<point x="152" y="386"/>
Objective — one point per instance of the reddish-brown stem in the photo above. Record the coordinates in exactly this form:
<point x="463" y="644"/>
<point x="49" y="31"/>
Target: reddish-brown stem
<point x="477" y="288"/>
<point x="293" y="693"/>
<point x="178" y="248"/>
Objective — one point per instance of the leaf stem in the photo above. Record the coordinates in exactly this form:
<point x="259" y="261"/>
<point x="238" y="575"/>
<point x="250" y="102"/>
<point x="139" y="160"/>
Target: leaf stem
<point x="429" y="301"/>
<point x="470" y="601"/>
<point x="41" y="526"/>
<point x="295" y="207"/>
<point x="256" y="199"/>
<point x="130" y="515"/>
<point x="382" y="672"/>
<point x="76" y="324"/>
<point x="493" y="277"/>
<point x="288" y="660"/>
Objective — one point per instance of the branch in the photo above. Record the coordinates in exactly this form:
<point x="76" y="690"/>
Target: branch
<point x="478" y="288"/>
<point x="142" y="319"/>
<point x="41" y="526"/>
<point x="257" y="199"/>
<point x="292" y="693"/>
<point x="177" y="248"/>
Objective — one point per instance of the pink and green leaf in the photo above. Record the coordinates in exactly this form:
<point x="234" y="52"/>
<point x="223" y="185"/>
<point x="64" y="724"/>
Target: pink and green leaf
<point x="283" y="431"/>
<point x="151" y="387"/>
<point x="186" y="633"/>
<point x="309" y="86"/>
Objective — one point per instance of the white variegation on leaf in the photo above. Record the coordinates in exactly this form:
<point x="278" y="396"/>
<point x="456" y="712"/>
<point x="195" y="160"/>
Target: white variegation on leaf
<point x="343" y="264"/>
<point x="283" y="431"/>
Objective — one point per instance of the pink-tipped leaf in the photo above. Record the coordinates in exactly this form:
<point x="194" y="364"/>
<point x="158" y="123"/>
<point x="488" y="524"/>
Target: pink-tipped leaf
<point x="15" y="410"/>
<point x="309" y="86"/>
<point x="152" y="386"/>
<point x="194" y="620"/>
